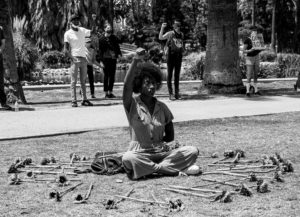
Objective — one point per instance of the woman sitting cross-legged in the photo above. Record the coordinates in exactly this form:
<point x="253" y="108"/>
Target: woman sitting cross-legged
<point x="151" y="127"/>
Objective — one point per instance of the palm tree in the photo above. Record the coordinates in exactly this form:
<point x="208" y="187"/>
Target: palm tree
<point x="222" y="72"/>
<point x="9" y="53"/>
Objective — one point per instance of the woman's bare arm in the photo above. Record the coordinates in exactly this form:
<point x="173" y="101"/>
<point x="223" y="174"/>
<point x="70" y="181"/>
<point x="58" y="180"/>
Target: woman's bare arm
<point x="127" y="91"/>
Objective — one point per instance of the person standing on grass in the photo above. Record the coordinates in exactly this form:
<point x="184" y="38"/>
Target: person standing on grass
<point x="174" y="52"/>
<point x="2" y="93"/>
<point x="91" y="59"/>
<point x="151" y="127"/>
<point x="109" y="48"/>
<point x="252" y="47"/>
<point x="74" y="47"/>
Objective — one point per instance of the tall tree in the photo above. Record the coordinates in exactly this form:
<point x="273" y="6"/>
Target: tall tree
<point x="222" y="71"/>
<point x="297" y="27"/>
<point x="273" y="31"/>
<point x="10" y="62"/>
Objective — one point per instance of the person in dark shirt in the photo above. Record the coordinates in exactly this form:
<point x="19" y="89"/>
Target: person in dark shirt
<point x="110" y="51"/>
<point x="2" y="93"/>
<point x="251" y="49"/>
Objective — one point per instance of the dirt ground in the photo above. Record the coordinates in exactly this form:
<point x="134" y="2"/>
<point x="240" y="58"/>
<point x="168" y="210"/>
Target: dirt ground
<point x="255" y="135"/>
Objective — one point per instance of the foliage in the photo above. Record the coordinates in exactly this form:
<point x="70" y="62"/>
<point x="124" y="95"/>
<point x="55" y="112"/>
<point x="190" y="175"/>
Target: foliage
<point x="289" y="64"/>
<point x="25" y="50"/>
<point x="55" y="59"/>
<point x="195" y="62"/>
<point x="267" y="56"/>
<point x="269" y="70"/>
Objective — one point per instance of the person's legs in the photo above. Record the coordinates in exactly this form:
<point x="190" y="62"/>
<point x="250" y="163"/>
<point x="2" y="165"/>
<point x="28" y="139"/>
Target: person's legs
<point x="106" y="75"/>
<point x="90" y="73"/>
<point x="138" y="165"/>
<point x="170" y="66"/>
<point x="73" y="73"/>
<point x="82" y="76"/>
<point x="179" y="159"/>
<point x="112" y="73"/>
<point x="177" y="66"/>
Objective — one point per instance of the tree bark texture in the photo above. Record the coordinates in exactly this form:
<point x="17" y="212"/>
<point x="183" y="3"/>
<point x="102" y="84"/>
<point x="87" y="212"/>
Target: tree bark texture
<point x="10" y="64"/>
<point x="222" y="56"/>
<point x="273" y="39"/>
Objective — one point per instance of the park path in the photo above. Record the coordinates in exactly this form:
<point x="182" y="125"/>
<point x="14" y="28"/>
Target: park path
<point x="26" y="124"/>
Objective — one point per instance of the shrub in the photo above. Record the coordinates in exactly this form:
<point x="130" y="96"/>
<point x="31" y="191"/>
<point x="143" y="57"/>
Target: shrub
<point x="289" y="64"/>
<point x="26" y="55"/>
<point x="267" y="56"/>
<point x="195" y="62"/>
<point x="269" y="70"/>
<point x="55" y="59"/>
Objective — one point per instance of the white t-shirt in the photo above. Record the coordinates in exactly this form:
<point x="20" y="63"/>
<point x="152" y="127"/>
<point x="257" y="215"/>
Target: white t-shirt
<point x="76" y="40"/>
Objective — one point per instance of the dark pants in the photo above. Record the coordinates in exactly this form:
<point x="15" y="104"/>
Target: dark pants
<point x="90" y="72"/>
<point x="109" y="73"/>
<point x="2" y="93"/>
<point x="174" y="64"/>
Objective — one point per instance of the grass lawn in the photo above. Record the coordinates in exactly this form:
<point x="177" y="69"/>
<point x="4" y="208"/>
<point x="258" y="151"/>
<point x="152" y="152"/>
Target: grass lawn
<point x="255" y="135"/>
<point x="46" y="99"/>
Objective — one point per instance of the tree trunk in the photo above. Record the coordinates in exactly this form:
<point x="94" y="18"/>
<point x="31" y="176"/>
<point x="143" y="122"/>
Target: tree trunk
<point x="253" y="13"/>
<point x="15" y="91"/>
<point x="111" y="13"/>
<point x="222" y="72"/>
<point x="297" y="28"/>
<point x="273" y="40"/>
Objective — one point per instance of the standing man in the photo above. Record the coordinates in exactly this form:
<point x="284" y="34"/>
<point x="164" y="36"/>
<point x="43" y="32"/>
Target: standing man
<point x="174" y="50"/>
<point x="110" y="51"/>
<point x="74" y="47"/>
<point x="2" y="93"/>
<point x="253" y="45"/>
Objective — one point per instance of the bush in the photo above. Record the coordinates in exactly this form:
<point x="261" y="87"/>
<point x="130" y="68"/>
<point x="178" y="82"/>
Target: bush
<point x="55" y="59"/>
<point x="267" y="56"/>
<point x="195" y="62"/>
<point x="26" y="55"/>
<point x="269" y="70"/>
<point x="289" y="64"/>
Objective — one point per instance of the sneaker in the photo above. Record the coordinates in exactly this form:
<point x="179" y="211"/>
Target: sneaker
<point x="248" y="94"/>
<point x="177" y="96"/>
<point x="171" y="97"/>
<point x="106" y="96"/>
<point x="6" y="107"/>
<point x="86" y="103"/>
<point x="93" y="96"/>
<point x="112" y="95"/>
<point x="74" y="104"/>
<point x="193" y="170"/>
<point x="257" y="93"/>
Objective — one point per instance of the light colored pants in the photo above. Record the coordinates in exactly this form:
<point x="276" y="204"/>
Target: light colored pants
<point x="79" y="65"/>
<point x="138" y="164"/>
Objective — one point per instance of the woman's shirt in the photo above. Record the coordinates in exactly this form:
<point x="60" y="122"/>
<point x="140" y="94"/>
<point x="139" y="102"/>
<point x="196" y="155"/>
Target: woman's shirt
<point x="146" y="130"/>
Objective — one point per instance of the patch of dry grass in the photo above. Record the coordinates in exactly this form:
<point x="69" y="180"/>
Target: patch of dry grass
<point x="255" y="135"/>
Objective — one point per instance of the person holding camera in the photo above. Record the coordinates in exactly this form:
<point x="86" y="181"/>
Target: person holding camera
<point x="174" y="49"/>
<point x="152" y="148"/>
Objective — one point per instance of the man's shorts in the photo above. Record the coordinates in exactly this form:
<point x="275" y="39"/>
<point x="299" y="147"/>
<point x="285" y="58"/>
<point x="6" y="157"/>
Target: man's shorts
<point x="252" y="60"/>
